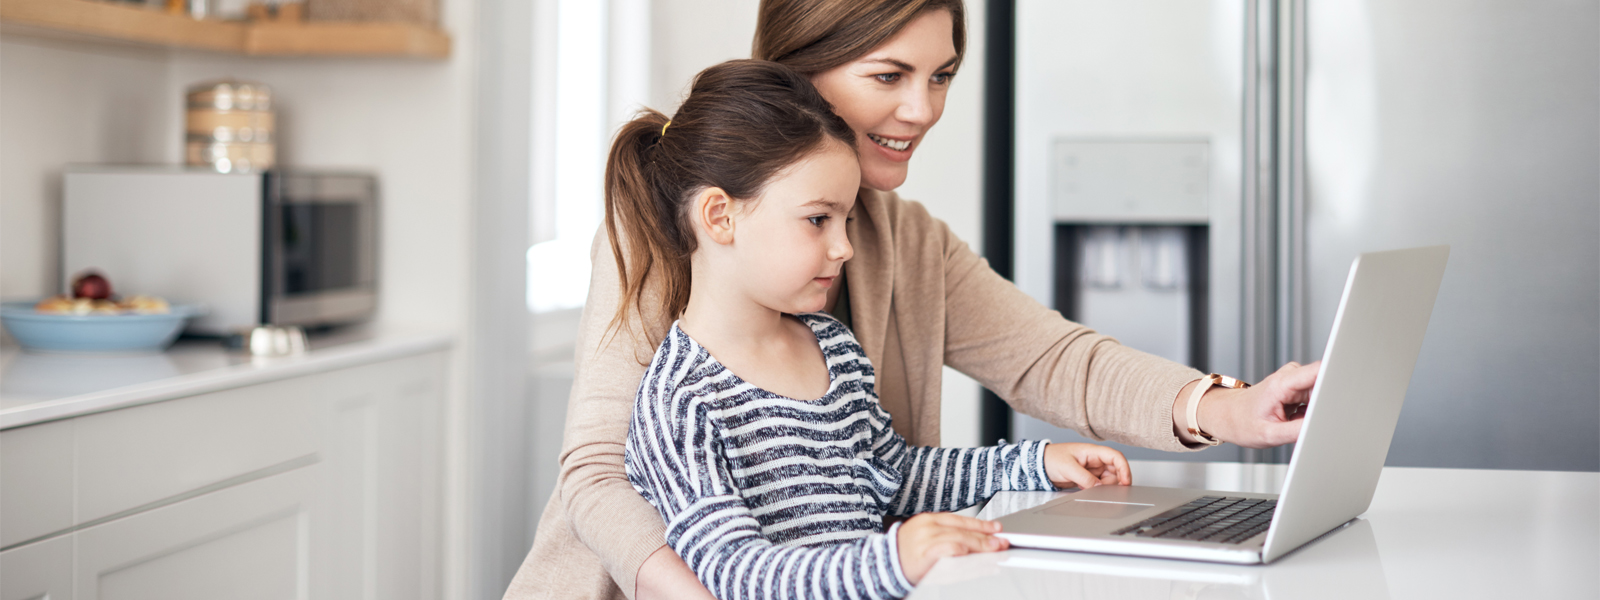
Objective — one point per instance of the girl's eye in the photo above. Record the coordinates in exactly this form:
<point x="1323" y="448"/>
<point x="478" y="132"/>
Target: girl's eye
<point x="817" y="221"/>
<point x="888" y="77"/>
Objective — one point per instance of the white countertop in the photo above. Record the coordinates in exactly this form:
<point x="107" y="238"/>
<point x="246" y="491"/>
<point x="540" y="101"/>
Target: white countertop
<point x="1430" y="533"/>
<point x="39" y="387"/>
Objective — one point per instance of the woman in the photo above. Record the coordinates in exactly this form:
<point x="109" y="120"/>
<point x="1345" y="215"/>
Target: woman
<point x="916" y="297"/>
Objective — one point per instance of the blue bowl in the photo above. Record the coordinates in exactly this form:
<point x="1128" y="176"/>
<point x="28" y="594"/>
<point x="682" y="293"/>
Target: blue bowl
<point x="94" y="333"/>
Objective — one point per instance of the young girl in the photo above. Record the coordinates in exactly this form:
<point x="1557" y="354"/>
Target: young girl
<point x="757" y="431"/>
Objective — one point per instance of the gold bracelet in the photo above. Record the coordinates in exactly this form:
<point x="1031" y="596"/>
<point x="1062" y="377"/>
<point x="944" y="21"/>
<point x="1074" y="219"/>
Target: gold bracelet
<point x="1200" y="389"/>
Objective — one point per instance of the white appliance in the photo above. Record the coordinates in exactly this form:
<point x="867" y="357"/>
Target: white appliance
<point x="279" y="248"/>
<point x="1330" y="128"/>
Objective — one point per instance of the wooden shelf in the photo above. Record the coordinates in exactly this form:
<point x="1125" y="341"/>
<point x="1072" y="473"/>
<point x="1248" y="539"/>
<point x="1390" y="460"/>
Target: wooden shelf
<point x="126" y="23"/>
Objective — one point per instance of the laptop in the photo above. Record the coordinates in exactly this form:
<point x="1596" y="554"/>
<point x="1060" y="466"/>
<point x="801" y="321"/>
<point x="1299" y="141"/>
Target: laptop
<point x="1349" y="423"/>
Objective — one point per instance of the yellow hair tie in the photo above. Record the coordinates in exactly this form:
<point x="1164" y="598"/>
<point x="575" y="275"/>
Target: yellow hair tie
<point x="664" y="129"/>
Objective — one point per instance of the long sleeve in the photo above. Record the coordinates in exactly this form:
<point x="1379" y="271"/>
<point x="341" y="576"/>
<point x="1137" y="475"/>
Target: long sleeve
<point x="673" y="459"/>
<point x="933" y="479"/>
<point x="606" y="514"/>
<point x="950" y="479"/>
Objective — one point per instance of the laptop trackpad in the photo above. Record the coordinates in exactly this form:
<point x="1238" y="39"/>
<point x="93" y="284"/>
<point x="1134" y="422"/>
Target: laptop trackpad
<point x="1096" y="509"/>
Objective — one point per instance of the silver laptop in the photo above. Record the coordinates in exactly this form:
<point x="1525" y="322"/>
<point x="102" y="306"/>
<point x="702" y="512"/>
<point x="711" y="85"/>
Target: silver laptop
<point x="1349" y="423"/>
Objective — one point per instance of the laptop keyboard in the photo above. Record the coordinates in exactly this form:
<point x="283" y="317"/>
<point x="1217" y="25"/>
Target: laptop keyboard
<point x="1209" y="519"/>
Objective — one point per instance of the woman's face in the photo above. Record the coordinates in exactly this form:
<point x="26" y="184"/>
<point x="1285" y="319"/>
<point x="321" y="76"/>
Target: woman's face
<point x="893" y="95"/>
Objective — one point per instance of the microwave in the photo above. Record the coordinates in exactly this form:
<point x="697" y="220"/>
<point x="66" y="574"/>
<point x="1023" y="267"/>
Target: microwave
<point x="284" y="247"/>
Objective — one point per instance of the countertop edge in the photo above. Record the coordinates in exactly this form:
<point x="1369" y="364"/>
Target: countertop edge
<point x="318" y="361"/>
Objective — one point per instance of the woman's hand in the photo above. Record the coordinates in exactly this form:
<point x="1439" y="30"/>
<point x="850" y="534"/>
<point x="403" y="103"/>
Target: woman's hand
<point x="1086" y="466"/>
<point x="1262" y="416"/>
<point x="924" y="539"/>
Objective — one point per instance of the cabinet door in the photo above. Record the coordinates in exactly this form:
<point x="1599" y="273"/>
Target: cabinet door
<point x="37" y="571"/>
<point x="246" y="542"/>
<point x="380" y="521"/>
<point x="36" y="471"/>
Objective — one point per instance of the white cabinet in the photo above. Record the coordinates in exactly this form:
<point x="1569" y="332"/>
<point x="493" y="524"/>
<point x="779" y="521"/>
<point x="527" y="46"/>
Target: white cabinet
<point x="326" y="485"/>
<point x="247" y="542"/>
<point x="382" y="479"/>
<point x="36" y="470"/>
<point x="132" y="457"/>
<point x="37" y="571"/>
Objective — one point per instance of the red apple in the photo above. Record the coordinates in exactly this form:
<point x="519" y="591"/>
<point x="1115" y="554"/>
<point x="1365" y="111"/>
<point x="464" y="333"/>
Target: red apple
<point x="91" y="285"/>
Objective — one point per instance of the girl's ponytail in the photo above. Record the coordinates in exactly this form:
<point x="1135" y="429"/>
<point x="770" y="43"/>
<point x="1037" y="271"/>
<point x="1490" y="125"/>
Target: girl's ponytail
<point x="635" y="213"/>
<point x="743" y="122"/>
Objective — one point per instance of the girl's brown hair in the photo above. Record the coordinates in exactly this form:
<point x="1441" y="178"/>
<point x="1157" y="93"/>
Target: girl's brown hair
<point x="743" y="122"/>
<point x="813" y="36"/>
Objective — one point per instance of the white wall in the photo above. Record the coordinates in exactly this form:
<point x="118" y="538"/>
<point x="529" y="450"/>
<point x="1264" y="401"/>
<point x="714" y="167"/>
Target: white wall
<point x="64" y="103"/>
<point x="410" y="121"/>
<point x="946" y="174"/>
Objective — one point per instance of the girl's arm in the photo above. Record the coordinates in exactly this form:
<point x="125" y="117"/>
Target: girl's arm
<point x="950" y="479"/>
<point x="672" y="460"/>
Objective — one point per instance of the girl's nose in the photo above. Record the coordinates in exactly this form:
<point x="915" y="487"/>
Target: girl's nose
<point x="841" y="250"/>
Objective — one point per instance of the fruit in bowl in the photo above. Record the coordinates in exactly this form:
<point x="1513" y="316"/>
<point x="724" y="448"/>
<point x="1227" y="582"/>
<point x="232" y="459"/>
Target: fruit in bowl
<point x="91" y="285"/>
<point x="141" y="305"/>
<point x="92" y="321"/>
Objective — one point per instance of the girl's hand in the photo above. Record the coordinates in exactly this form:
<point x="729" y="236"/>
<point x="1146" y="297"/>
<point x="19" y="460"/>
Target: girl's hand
<point x="924" y="539"/>
<point x="1086" y="466"/>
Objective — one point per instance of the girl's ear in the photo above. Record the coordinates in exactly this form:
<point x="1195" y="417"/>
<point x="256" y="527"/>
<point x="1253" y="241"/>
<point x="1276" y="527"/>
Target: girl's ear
<point x="713" y="213"/>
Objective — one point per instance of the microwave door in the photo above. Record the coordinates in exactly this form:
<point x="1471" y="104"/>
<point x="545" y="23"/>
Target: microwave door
<point x="322" y="259"/>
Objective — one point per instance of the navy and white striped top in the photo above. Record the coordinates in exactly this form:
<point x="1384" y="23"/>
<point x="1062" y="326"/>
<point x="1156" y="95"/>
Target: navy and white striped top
<point x="766" y="496"/>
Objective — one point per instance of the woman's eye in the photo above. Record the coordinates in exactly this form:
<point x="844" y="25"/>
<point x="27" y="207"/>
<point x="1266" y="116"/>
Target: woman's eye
<point x="943" y="78"/>
<point x="817" y="221"/>
<point x="888" y="77"/>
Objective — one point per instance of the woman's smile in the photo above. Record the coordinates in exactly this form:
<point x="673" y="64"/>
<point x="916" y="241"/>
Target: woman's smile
<point x="894" y="148"/>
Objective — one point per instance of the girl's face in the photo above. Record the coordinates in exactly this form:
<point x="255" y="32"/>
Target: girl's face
<point x="790" y="244"/>
<point x="893" y="95"/>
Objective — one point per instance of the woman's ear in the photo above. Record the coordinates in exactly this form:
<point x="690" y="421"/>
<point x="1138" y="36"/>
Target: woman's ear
<point x="713" y="212"/>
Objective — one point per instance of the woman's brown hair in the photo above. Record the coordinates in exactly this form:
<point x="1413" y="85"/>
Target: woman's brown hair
<point x="743" y="122"/>
<point x="813" y="36"/>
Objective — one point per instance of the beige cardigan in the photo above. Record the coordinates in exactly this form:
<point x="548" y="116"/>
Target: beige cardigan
<point x="919" y="299"/>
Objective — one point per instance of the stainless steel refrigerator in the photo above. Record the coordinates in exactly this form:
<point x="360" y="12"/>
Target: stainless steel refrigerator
<point x="1194" y="177"/>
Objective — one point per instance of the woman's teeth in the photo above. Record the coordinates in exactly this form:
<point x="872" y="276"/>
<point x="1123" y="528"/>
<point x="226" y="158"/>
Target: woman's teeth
<point x="890" y="144"/>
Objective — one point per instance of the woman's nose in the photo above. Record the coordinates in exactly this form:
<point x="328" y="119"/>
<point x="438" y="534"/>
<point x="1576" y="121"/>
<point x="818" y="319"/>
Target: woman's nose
<point x="916" y="105"/>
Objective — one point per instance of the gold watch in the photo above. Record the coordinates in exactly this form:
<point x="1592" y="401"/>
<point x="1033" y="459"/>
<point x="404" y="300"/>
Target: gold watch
<point x="1194" y="404"/>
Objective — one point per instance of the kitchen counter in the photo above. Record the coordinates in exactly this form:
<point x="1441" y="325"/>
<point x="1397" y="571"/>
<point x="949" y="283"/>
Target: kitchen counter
<point x="40" y="387"/>
<point x="1430" y="533"/>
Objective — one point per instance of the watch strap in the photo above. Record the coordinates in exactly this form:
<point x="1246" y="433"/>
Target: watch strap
<point x="1200" y="389"/>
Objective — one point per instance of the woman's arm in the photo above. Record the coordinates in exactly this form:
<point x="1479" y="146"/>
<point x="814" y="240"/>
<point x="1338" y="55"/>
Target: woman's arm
<point x="1070" y="376"/>
<point x="1044" y="365"/>
<point x="605" y="511"/>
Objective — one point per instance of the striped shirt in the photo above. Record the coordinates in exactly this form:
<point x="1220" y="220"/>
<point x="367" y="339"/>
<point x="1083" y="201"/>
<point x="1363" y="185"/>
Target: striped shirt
<point x="770" y="497"/>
